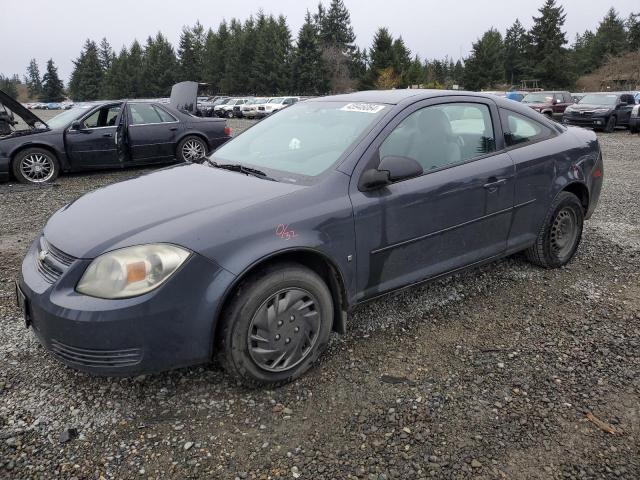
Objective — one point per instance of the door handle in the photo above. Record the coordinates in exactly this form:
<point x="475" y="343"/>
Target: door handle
<point x="493" y="183"/>
<point x="173" y="129"/>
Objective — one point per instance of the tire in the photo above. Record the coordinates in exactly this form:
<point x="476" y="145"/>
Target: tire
<point x="634" y="129"/>
<point x="561" y="232"/>
<point x="611" y="124"/>
<point x="229" y="114"/>
<point x="191" y="149"/>
<point x="35" y="166"/>
<point x="250" y="346"/>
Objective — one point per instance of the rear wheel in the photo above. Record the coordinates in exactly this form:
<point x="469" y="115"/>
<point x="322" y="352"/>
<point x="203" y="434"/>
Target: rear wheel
<point x="35" y="165"/>
<point x="191" y="149"/>
<point x="561" y="232"/>
<point x="276" y="326"/>
<point x="611" y="124"/>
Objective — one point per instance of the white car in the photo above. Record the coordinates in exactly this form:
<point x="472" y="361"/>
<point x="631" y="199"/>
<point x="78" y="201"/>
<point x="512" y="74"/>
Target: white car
<point x="249" y="109"/>
<point x="275" y="104"/>
<point x="226" y="109"/>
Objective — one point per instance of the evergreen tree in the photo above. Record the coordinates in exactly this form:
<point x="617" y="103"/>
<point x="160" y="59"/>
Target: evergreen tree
<point x="381" y="57"/>
<point x="583" y="53"/>
<point x="484" y="68"/>
<point x="159" y="67"/>
<point x="116" y="83"/>
<point x="547" y="52"/>
<point x="8" y="85"/>
<point x="401" y="61"/>
<point x="335" y="27"/>
<point x="216" y="46"/>
<point x="308" y="70"/>
<point x="105" y="54"/>
<point x="191" y="52"/>
<point x="633" y="31"/>
<point x="458" y="73"/>
<point x="33" y="79"/>
<point x="52" y="86"/>
<point x="415" y="72"/>
<point x="86" y="79"/>
<point x="235" y="76"/>
<point x="133" y="73"/>
<point x="515" y="53"/>
<point x="610" y="37"/>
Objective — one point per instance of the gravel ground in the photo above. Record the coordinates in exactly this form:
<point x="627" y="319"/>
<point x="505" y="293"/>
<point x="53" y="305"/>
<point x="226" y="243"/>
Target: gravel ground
<point x="494" y="373"/>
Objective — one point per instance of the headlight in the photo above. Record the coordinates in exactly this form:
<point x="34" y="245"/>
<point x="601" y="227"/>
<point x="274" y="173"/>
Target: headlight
<point x="131" y="271"/>
<point x="601" y="110"/>
<point x="636" y="111"/>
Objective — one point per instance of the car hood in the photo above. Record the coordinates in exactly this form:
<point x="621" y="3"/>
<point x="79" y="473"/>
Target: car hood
<point x="184" y="96"/>
<point x="588" y="107"/>
<point x="16" y="107"/>
<point x="170" y="205"/>
<point x="537" y="105"/>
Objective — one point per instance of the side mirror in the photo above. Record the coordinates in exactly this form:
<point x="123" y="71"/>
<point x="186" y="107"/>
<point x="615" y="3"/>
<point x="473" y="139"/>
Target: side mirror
<point x="554" y="101"/>
<point x="391" y="169"/>
<point x="76" y="125"/>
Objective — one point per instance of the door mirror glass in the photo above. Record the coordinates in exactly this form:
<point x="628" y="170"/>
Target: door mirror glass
<point x="76" y="125"/>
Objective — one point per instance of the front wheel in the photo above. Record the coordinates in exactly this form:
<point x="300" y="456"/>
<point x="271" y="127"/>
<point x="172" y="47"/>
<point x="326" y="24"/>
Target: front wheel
<point x="611" y="124"/>
<point x="561" y="232"/>
<point x="276" y="326"/>
<point x="35" y="165"/>
<point x="191" y="149"/>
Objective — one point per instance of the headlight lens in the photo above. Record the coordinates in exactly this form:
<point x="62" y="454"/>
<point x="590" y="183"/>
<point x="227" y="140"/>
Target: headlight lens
<point x="636" y="110"/>
<point x="131" y="271"/>
<point x="601" y="110"/>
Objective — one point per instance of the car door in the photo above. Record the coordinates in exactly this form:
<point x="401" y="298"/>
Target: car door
<point x="91" y="142"/>
<point x="624" y="109"/>
<point x="530" y="145"/>
<point x="456" y="214"/>
<point x="152" y="132"/>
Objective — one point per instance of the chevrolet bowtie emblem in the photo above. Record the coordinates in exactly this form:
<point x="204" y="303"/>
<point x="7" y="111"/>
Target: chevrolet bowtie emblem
<point x="42" y="255"/>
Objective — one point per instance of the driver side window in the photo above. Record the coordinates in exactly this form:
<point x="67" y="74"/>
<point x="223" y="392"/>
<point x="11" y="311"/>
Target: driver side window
<point x="103" y="117"/>
<point x="442" y="135"/>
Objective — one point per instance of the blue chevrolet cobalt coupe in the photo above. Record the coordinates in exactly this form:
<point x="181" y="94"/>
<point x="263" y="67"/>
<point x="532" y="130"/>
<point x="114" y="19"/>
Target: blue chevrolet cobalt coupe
<point x="255" y="256"/>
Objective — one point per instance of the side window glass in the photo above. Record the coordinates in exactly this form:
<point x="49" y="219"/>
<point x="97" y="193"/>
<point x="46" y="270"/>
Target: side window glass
<point x="103" y="117"/>
<point x="142" y="113"/>
<point x="442" y="135"/>
<point x="164" y="116"/>
<point x="520" y="129"/>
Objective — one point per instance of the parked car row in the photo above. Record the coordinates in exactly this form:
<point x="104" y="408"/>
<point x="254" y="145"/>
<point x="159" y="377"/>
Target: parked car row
<point x="244" y="107"/>
<point x="49" y="106"/>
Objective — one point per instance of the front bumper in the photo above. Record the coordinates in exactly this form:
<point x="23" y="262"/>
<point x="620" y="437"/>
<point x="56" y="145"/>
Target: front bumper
<point x="585" y="121"/>
<point x="170" y="327"/>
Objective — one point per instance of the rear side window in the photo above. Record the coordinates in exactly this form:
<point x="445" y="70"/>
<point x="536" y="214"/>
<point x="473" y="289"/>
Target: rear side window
<point x="519" y="130"/>
<point x="164" y="116"/>
<point x="142" y="113"/>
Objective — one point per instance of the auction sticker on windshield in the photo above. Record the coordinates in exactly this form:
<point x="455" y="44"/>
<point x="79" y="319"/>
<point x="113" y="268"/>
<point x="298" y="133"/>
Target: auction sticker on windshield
<point x="362" y="107"/>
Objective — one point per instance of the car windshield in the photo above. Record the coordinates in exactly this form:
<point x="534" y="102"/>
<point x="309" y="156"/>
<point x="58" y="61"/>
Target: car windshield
<point x="602" y="99"/>
<point x="65" y="118"/>
<point x="256" y="101"/>
<point x="277" y="100"/>
<point x="303" y="141"/>
<point x="538" y="98"/>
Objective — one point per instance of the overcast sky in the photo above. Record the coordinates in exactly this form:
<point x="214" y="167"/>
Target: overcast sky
<point x="57" y="29"/>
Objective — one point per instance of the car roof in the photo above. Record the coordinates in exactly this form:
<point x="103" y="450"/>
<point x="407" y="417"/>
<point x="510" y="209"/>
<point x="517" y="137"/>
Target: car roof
<point x="394" y="97"/>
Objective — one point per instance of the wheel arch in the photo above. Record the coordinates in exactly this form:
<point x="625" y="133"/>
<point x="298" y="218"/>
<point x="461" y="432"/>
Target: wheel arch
<point x="194" y="133"/>
<point x="581" y="191"/>
<point x="316" y="261"/>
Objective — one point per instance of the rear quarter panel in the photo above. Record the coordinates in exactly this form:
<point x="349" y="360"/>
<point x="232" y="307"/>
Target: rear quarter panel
<point x="543" y="170"/>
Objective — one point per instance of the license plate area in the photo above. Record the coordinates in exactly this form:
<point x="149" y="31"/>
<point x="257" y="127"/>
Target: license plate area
<point x="23" y="305"/>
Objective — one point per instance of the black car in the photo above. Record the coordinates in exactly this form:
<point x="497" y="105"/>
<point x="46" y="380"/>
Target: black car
<point x="634" y="121"/>
<point x="601" y="111"/>
<point x="106" y="134"/>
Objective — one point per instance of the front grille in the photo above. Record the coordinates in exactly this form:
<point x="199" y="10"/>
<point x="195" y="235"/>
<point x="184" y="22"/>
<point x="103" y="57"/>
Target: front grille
<point x="261" y="108"/>
<point x="52" y="262"/>
<point x="96" y="358"/>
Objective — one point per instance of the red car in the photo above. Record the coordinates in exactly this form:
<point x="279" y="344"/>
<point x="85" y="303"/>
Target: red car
<point x="552" y="104"/>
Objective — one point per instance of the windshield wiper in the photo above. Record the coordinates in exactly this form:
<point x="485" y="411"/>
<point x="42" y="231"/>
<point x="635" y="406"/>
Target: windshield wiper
<point x="237" y="167"/>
